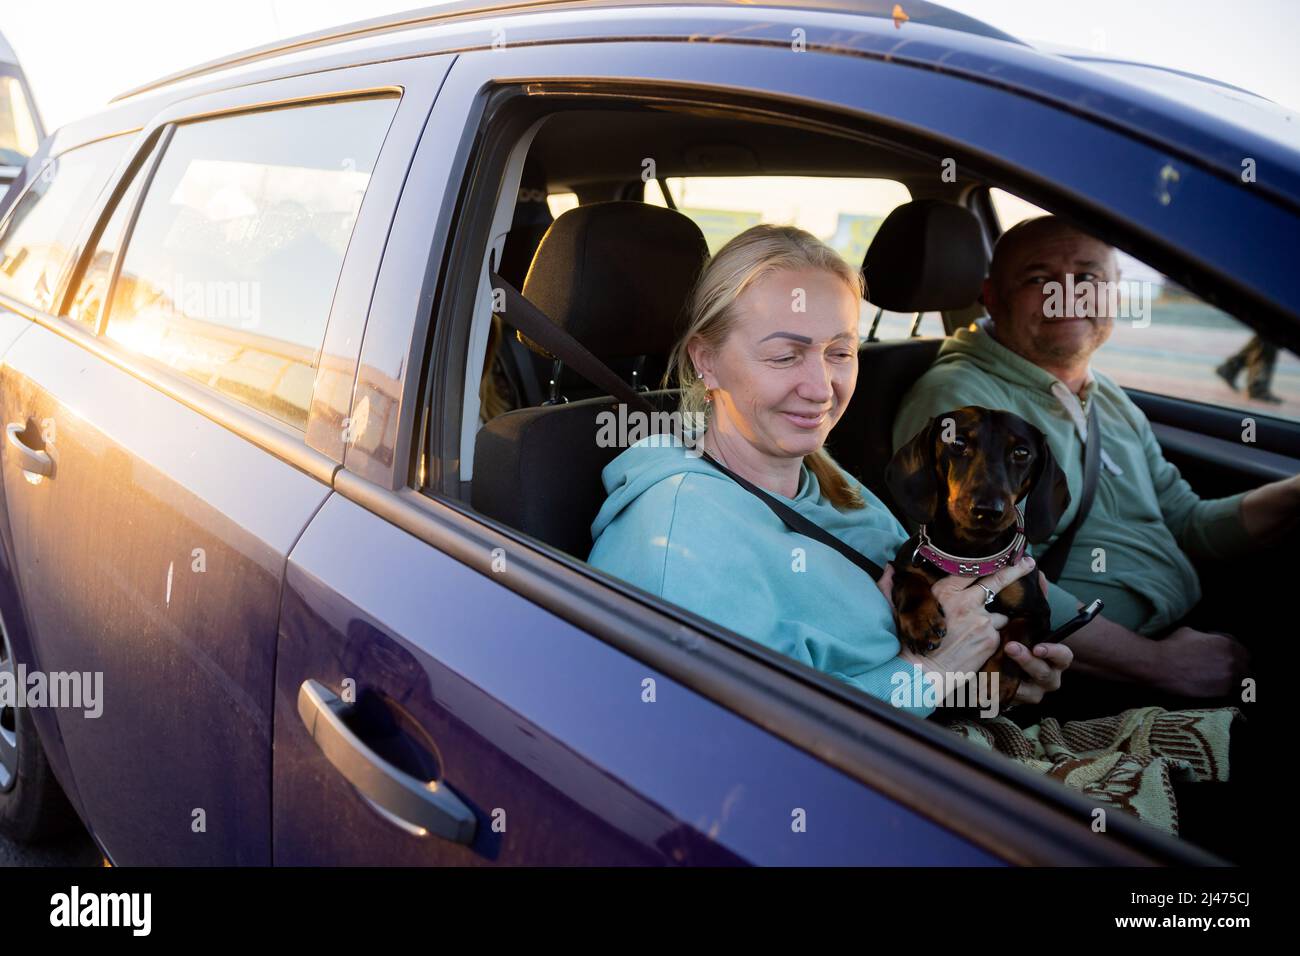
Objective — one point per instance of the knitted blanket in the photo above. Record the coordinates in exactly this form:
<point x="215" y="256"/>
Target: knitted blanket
<point x="1128" y="761"/>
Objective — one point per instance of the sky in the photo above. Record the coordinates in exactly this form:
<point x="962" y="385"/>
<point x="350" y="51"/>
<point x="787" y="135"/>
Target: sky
<point x="78" y="54"/>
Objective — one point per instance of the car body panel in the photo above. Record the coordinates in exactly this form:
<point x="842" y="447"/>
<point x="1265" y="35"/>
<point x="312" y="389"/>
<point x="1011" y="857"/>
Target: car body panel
<point x="543" y="730"/>
<point x="154" y="556"/>
<point x="173" y="531"/>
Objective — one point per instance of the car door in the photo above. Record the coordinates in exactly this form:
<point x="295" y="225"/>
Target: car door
<point x="449" y="692"/>
<point x="160" y="464"/>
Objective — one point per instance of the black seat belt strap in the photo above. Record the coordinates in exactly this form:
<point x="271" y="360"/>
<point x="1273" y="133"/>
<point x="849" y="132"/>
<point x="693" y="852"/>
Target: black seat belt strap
<point x="799" y="523"/>
<point x="534" y="323"/>
<point x="1052" y="562"/>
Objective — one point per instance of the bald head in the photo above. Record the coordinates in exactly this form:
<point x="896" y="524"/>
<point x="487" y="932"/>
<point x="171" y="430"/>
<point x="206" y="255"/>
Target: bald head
<point x="1030" y="259"/>
<point x="1016" y="246"/>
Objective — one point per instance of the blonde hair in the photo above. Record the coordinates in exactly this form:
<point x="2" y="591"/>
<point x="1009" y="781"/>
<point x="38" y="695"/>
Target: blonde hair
<point x="754" y="254"/>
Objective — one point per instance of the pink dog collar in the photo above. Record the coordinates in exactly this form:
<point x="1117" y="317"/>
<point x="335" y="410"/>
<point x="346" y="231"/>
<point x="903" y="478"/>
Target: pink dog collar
<point x="972" y="567"/>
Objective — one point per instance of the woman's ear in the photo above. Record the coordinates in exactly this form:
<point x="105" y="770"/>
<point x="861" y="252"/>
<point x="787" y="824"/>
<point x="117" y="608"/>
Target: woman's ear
<point x="702" y="359"/>
<point x="911" y="477"/>
<point x="1049" y="494"/>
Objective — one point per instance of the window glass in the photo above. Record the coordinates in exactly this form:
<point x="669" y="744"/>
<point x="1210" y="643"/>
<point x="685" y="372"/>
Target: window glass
<point x="18" y="137"/>
<point x="230" y="269"/>
<point x="1167" y="340"/>
<point x="88" y="303"/>
<point x="843" y="213"/>
<point x="37" y="237"/>
<point x="560" y="203"/>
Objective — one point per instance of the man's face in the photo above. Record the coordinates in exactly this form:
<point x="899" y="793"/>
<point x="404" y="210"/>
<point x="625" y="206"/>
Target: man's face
<point x="1032" y="317"/>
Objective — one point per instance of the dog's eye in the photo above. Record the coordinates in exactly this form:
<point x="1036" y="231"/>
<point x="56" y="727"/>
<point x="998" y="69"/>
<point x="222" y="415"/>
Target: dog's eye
<point x="957" y="444"/>
<point x="1020" y="453"/>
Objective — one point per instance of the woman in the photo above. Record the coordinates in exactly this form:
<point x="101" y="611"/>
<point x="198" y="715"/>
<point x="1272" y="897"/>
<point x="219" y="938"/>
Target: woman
<point x="769" y="357"/>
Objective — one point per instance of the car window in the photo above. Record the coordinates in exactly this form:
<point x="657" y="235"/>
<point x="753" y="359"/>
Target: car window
<point x="88" y="303"/>
<point x="37" y="238"/>
<point x="230" y="269"/>
<point x="1166" y="340"/>
<point x="18" y="135"/>
<point x="842" y="212"/>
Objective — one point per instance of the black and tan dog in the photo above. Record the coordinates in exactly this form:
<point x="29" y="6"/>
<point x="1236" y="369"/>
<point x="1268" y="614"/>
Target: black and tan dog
<point x="960" y="479"/>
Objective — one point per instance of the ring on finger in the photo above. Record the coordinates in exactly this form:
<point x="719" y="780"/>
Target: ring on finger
<point x="989" y="594"/>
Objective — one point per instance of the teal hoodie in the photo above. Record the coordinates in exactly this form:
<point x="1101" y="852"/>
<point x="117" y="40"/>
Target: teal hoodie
<point x="675" y="526"/>
<point x="1132" y="550"/>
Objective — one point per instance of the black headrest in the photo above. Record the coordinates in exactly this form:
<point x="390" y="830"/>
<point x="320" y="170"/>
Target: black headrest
<point x="616" y="276"/>
<point x="927" y="256"/>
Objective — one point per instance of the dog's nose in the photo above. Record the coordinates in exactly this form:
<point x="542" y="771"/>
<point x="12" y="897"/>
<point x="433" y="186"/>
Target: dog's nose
<point x="989" y="511"/>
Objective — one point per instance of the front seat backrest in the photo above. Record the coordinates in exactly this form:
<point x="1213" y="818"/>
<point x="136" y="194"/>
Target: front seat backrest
<point x="615" y="276"/>
<point x="927" y="256"/>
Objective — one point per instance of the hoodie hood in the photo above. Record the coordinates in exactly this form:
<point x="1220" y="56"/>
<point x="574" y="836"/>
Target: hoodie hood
<point x="657" y="457"/>
<point x="977" y="345"/>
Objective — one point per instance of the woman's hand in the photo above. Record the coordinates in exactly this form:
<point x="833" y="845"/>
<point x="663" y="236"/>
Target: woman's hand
<point x="972" y="631"/>
<point x="1043" y="668"/>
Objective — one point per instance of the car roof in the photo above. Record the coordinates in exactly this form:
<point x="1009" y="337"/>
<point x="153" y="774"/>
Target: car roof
<point x="931" y="37"/>
<point x="918" y="11"/>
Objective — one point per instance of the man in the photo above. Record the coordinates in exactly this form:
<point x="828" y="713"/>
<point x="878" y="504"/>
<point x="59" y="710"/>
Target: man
<point x="1031" y="357"/>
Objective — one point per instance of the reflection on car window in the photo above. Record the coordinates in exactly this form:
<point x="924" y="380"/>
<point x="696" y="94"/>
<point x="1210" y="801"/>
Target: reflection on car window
<point x="39" y="233"/>
<point x="88" y="303"/>
<point x="1180" y="346"/>
<point x="230" y="269"/>
<point x="18" y="136"/>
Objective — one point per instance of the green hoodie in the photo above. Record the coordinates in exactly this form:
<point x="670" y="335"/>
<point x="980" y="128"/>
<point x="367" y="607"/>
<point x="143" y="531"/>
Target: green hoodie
<point x="1132" y="550"/>
<point x="675" y="526"/>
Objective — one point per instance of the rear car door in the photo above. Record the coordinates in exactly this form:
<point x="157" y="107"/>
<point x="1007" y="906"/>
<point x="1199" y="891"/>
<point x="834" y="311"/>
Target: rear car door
<point x="160" y="460"/>
<point x="448" y="691"/>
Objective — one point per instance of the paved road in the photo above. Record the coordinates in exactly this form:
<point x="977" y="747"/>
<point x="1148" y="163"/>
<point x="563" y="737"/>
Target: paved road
<point x="75" y="849"/>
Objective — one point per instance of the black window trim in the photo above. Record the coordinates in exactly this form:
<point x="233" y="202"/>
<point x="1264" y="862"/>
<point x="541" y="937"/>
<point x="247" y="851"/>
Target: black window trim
<point x="792" y="701"/>
<point x="150" y="152"/>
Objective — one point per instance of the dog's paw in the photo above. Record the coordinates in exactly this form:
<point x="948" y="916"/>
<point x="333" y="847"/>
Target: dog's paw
<point x="923" y="627"/>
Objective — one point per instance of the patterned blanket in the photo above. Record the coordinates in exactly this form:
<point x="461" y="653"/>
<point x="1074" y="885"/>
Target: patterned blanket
<point x="1128" y="761"/>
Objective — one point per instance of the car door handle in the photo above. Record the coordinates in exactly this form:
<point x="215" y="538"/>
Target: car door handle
<point x="426" y="805"/>
<point x="34" y="460"/>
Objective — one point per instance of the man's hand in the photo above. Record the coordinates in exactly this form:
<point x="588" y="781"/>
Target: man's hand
<point x="1043" y="668"/>
<point x="1196" y="664"/>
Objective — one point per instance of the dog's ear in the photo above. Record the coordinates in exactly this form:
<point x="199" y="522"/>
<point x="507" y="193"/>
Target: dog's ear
<point x="911" y="478"/>
<point x="1049" y="494"/>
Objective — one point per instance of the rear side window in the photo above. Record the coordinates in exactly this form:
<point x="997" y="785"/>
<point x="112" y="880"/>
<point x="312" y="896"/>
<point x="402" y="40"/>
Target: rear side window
<point x="230" y="268"/>
<point x="36" y="240"/>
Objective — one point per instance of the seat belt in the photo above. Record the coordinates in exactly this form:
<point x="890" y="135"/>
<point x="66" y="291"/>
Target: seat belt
<point x="1052" y="562"/>
<point x="799" y="523"/>
<point x="527" y="318"/>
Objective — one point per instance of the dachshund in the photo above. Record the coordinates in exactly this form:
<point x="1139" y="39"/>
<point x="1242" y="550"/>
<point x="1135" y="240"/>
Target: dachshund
<point x="960" y="479"/>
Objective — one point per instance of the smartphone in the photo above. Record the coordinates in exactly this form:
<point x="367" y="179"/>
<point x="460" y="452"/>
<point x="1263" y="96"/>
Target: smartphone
<point x="1073" y="624"/>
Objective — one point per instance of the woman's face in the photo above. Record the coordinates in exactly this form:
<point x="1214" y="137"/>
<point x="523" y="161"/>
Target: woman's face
<point x="784" y="375"/>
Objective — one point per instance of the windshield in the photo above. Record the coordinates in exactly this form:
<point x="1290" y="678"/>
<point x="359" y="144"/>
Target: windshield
<point x="18" y="136"/>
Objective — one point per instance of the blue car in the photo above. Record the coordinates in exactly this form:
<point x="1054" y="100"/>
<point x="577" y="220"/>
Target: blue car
<point x="303" y="534"/>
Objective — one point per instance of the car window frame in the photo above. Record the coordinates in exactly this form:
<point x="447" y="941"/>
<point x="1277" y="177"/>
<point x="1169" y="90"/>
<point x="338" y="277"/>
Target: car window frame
<point x="35" y="167"/>
<point x="318" y="451"/>
<point x="381" y="478"/>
